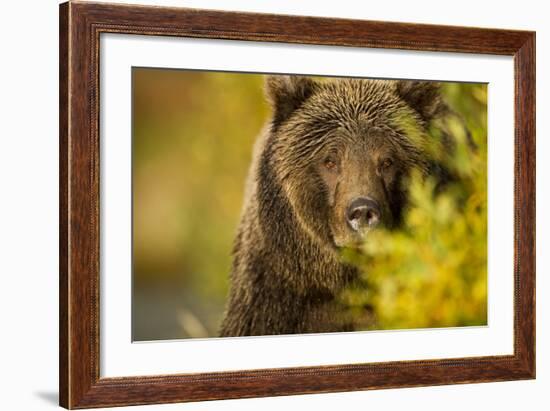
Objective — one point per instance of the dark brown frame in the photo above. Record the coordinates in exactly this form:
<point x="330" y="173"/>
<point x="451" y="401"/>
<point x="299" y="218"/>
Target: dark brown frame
<point x="80" y="27"/>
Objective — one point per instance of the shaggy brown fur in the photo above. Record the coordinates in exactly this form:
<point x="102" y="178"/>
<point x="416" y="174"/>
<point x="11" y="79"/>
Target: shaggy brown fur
<point x="327" y="144"/>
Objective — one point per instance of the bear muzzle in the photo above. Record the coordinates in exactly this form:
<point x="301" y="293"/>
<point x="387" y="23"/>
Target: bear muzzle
<point x="363" y="213"/>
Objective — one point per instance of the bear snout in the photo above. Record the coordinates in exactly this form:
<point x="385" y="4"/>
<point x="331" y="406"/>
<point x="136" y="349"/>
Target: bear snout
<point x="363" y="212"/>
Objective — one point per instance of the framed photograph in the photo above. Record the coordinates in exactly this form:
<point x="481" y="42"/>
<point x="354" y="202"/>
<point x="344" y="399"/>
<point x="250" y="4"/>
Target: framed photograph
<point x="259" y="205"/>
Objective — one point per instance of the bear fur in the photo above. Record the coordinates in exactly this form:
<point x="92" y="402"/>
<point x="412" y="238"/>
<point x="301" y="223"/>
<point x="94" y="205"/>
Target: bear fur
<point x="327" y="143"/>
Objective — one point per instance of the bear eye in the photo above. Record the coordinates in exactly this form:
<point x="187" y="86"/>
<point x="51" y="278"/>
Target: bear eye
<point x="330" y="164"/>
<point x="387" y="163"/>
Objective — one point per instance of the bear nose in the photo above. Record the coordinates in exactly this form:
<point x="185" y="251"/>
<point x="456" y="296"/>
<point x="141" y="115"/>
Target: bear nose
<point x="363" y="212"/>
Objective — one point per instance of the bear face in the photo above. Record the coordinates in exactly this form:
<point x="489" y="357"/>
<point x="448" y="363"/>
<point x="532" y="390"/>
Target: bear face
<point x="343" y="150"/>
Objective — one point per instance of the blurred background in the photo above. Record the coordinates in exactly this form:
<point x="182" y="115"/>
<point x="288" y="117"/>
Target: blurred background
<point x="193" y="134"/>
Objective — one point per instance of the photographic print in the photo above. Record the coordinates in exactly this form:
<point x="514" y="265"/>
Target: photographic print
<point x="291" y="204"/>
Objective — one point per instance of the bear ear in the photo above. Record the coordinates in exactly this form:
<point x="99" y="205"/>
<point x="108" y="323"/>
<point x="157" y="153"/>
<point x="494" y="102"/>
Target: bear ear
<point x="287" y="93"/>
<point x="422" y="96"/>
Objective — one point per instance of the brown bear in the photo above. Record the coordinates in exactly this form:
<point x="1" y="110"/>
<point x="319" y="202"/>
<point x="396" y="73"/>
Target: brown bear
<point x="330" y="166"/>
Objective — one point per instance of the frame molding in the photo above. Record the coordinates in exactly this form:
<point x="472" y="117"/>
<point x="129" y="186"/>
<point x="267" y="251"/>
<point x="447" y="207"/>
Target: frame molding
<point x="81" y="24"/>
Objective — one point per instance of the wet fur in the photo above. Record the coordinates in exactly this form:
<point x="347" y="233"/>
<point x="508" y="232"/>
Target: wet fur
<point x="286" y="270"/>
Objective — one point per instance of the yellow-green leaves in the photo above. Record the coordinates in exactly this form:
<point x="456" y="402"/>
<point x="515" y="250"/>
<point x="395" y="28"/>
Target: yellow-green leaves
<point x="432" y="272"/>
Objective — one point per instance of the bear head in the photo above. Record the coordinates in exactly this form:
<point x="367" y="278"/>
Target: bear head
<point x="342" y="150"/>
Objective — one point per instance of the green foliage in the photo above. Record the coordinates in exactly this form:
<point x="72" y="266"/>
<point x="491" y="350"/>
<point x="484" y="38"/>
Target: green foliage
<point x="432" y="272"/>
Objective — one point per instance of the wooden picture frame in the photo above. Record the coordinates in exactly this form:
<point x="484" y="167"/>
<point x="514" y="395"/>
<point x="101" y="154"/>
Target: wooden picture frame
<point x="80" y="27"/>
